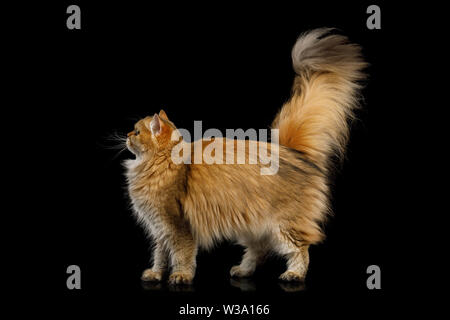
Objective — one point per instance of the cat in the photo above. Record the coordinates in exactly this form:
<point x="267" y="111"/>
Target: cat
<point x="185" y="206"/>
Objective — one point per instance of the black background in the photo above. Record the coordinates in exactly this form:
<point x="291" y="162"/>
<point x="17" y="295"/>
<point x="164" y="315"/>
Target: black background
<point x="229" y="66"/>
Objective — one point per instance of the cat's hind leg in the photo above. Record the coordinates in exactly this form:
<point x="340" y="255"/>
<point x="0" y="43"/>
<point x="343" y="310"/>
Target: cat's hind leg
<point x="297" y="265"/>
<point x="256" y="251"/>
<point x="297" y="257"/>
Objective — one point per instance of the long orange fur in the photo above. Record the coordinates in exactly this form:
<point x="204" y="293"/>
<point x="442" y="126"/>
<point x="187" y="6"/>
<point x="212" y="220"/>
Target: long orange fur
<point x="187" y="206"/>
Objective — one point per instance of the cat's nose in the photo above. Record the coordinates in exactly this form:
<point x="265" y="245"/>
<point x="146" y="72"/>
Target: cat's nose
<point x="130" y="133"/>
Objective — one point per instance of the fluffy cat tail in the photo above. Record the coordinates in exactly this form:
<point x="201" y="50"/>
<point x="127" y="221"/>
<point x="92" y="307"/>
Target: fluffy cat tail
<point x="324" y="95"/>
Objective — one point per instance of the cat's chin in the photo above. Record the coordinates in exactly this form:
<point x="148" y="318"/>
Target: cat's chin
<point x="134" y="155"/>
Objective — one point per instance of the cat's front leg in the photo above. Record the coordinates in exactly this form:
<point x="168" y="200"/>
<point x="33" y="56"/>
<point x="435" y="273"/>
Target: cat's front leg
<point x="183" y="256"/>
<point x="160" y="263"/>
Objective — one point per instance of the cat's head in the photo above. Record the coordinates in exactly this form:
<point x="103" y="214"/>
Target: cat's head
<point x="151" y="134"/>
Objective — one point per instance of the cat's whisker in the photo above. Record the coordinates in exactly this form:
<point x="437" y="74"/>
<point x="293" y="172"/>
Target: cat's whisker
<point x="115" y="141"/>
<point x="119" y="152"/>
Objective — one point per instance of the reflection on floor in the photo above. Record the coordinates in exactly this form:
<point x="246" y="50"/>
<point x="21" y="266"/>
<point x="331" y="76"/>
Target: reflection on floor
<point x="244" y="284"/>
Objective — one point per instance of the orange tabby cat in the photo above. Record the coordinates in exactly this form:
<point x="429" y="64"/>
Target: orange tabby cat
<point x="186" y="206"/>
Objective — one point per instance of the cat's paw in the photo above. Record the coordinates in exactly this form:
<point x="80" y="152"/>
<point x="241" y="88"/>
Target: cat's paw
<point x="292" y="276"/>
<point x="238" y="272"/>
<point x="180" y="278"/>
<point x="150" y="275"/>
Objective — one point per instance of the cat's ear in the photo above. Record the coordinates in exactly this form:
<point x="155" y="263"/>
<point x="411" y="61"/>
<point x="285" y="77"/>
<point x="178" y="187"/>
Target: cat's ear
<point x="163" y="115"/>
<point x="155" y="125"/>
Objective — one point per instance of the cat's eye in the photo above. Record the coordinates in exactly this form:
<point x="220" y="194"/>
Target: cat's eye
<point x="136" y="132"/>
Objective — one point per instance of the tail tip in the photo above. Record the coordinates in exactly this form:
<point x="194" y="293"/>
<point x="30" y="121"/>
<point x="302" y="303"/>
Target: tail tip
<point x="325" y="49"/>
